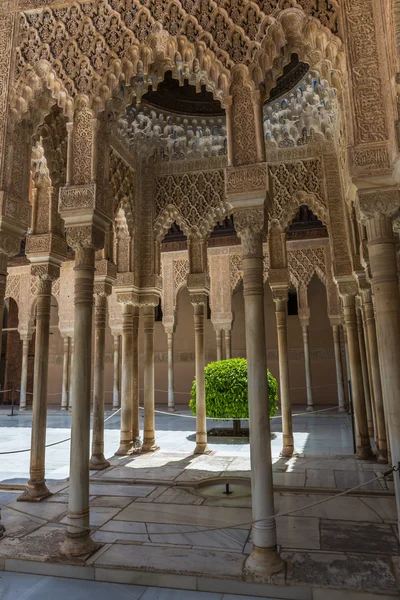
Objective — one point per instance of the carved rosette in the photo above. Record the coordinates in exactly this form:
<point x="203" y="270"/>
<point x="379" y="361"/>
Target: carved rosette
<point x="249" y="225"/>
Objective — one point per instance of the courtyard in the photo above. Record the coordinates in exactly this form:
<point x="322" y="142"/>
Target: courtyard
<point x="164" y="519"/>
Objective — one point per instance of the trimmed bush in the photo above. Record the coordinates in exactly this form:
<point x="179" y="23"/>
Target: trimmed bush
<point x="226" y="390"/>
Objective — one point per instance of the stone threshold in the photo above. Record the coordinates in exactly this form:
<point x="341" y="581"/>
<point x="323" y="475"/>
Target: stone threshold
<point x="183" y="582"/>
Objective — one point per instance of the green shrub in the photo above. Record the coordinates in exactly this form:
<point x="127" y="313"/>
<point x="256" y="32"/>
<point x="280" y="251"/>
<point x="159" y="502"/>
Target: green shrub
<point x="226" y="390"/>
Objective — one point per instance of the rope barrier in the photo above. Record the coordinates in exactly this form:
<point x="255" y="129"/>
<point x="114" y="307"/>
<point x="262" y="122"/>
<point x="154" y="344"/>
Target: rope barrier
<point x="54" y="443"/>
<point x="207" y="529"/>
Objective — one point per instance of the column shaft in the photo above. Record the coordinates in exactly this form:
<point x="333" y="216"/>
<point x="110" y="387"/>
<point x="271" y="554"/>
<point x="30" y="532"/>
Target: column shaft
<point x="125" y="446"/>
<point x="376" y="382"/>
<point x="218" y="335"/>
<point x="286" y="408"/>
<point x="200" y="358"/>
<point x="339" y="370"/>
<point x="135" y="383"/>
<point x="24" y="374"/>
<point x="171" y="387"/>
<point x="228" y="344"/>
<point x="149" y="442"/>
<point x="364" y="371"/>
<point x="97" y="460"/>
<point x="36" y="488"/>
<point x="78" y="540"/>
<point x="116" y="372"/>
<point x="3" y="283"/>
<point x="307" y="364"/>
<point x="71" y="372"/>
<point x="64" y="392"/>
<point x="363" y="444"/>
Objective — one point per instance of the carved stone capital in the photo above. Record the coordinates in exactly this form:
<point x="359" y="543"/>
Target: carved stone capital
<point x="198" y="283"/>
<point x="249" y="225"/>
<point x="45" y="271"/>
<point x="102" y="290"/>
<point x="85" y="236"/>
<point x="127" y="296"/>
<point x="198" y="299"/>
<point x="279" y="278"/>
<point x="386" y="202"/>
<point x="149" y="297"/>
<point x="46" y="246"/>
<point x="347" y="287"/>
<point x="304" y="316"/>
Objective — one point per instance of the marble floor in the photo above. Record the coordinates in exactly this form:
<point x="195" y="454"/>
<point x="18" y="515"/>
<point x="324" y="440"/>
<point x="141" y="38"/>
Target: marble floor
<point x="314" y="435"/>
<point x="163" y="520"/>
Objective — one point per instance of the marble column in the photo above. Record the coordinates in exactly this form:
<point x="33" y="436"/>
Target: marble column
<point x="385" y="287"/>
<point x="116" y="372"/>
<point x="71" y="371"/>
<point x="218" y="335"/>
<point x="36" y="488"/>
<point x="3" y="283"/>
<point x="137" y="443"/>
<point x="24" y="373"/>
<point x="228" y="344"/>
<point x="149" y="437"/>
<point x="357" y="388"/>
<point x="307" y="364"/>
<point x="98" y="460"/>
<point x="171" y="386"/>
<point x="199" y="302"/>
<point x="339" y="369"/>
<point x="264" y="559"/>
<point x="65" y="379"/>
<point x="375" y="376"/>
<point x="78" y="540"/>
<point x="280" y="298"/>
<point x="346" y="353"/>
<point x="126" y="436"/>
<point x="364" y="371"/>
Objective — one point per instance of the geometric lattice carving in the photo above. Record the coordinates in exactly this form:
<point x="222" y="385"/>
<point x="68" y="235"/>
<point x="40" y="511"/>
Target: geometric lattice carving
<point x="236" y="269"/>
<point x="289" y="179"/>
<point x="303" y="263"/>
<point x="13" y="287"/>
<point x="181" y="271"/>
<point x="198" y="198"/>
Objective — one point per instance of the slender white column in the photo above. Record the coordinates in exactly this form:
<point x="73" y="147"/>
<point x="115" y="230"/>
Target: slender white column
<point x="228" y="344"/>
<point x="171" y="386"/>
<point x="280" y="298"/>
<point x="116" y="372"/>
<point x="3" y="283"/>
<point x="64" y="392"/>
<point x="264" y="559"/>
<point x="199" y="302"/>
<point x="370" y="327"/>
<point x="78" y="540"/>
<point x="137" y="444"/>
<point x="307" y="364"/>
<point x="36" y="488"/>
<point x="346" y="354"/>
<point x="125" y="446"/>
<point x="364" y="371"/>
<point x="363" y="443"/>
<point x="71" y="371"/>
<point x="149" y="441"/>
<point x="339" y="370"/>
<point x="24" y="374"/>
<point x="218" y="335"/>
<point x="98" y="460"/>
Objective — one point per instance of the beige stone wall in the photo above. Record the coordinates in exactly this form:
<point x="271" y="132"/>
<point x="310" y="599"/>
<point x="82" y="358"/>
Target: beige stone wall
<point x="321" y="344"/>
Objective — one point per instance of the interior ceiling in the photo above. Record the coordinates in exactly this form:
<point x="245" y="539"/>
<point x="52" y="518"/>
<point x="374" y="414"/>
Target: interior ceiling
<point x="170" y="96"/>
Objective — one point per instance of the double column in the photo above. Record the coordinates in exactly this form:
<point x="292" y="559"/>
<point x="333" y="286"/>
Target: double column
<point x="264" y="559"/>
<point x="130" y="437"/>
<point x="348" y="293"/>
<point x="36" y="488"/>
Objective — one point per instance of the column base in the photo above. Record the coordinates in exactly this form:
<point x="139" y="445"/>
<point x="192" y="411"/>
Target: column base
<point x="310" y="408"/>
<point x="115" y="407"/>
<point x="124" y="449"/>
<point x="171" y="409"/>
<point x="63" y="409"/>
<point x="364" y="453"/>
<point x="201" y="448"/>
<point x="78" y="544"/>
<point x="150" y="446"/>
<point x="342" y="409"/>
<point x="262" y="564"/>
<point x="98" y="462"/>
<point x="21" y="408"/>
<point x="2" y="531"/>
<point x="34" y="492"/>
<point x="287" y="451"/>
<point x="382" y="457"/>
